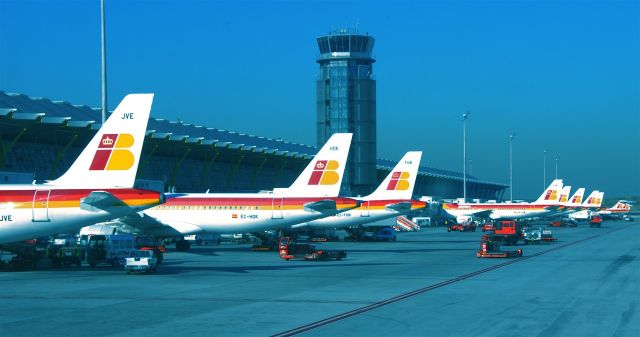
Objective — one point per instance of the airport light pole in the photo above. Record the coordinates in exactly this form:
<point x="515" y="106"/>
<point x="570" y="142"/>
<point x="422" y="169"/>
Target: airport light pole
<point x="544" y="169"/>
<point x="511" y="136"/>
<point x="464" y="155"/>
<point x="556" y="167"/>
<point x="104" y="63"/>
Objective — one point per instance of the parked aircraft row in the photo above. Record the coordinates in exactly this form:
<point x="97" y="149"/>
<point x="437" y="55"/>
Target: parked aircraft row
<point x="98" y="187"/>
<point x="553" y="202"/>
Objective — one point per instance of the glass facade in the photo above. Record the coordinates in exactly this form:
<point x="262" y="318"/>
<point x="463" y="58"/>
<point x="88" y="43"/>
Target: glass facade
<point x="346" y="102"/>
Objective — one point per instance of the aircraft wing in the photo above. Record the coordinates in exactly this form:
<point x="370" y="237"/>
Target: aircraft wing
<point x="149" y="225"/>
<point x="399" y="207"/>
<point x="101" y="200"/>
<point x="322" y="206"/>
<point x="483" y="214"/>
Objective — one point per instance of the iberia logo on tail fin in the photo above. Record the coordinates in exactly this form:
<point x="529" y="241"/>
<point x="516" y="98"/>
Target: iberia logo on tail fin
<point x="111" y="158"/>
<point x="113" y="153"/>
<point x="551" y="193"/>
<point x="324" y="173"/>
<point x="400" y="182"/>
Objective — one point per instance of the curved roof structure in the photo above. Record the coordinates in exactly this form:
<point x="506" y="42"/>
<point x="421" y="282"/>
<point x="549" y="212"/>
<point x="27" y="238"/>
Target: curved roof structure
<point x="43" y="110"/>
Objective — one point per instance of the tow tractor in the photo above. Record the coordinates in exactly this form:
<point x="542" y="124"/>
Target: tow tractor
<point x="289" y="250"/>
<point x="463" y="227"/>
<point x="490" y="247"/>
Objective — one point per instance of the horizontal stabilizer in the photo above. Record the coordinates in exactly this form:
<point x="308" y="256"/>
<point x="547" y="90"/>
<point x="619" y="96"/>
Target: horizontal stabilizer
<point x="399" y="207"/>
<point x="321" y="206"/>
<point x="100" y="201"/>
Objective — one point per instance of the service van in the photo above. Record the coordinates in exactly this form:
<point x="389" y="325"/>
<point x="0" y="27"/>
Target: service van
<point x="110" y="248"/>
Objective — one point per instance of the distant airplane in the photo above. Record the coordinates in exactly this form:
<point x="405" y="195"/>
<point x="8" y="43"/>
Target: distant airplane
<point x="97" y="187"/>
<point x="313" y="195"/>
<point x="546" y="203"/>
<point x="620" y="207"/>
<point x="392" y="198"/>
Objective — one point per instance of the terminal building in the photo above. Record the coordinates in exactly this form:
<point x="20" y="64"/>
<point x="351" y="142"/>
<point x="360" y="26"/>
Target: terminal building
<point x="40" y="138"/>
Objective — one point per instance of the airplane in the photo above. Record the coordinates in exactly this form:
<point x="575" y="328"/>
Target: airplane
<point x="593" y="201"/>
<point x="391" y="199"/>
<point x="313" y="195"/>
<point x="97" y="187"/>
<point x="546" y="203"/>
<point x="621" y="207"/>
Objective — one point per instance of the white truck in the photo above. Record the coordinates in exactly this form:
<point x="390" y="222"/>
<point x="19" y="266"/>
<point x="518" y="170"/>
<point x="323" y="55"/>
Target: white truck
<point x="141" y="261"/>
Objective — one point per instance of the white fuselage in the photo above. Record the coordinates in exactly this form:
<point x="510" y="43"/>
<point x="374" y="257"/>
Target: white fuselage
<point x="31" y="211"/>
<point x="239" y="213"/>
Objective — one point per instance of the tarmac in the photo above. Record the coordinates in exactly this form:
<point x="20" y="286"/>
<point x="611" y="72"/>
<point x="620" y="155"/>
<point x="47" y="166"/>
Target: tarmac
<point x="428" y="283"/>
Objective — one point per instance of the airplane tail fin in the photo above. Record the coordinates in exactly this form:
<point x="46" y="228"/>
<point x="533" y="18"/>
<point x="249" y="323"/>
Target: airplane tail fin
<point x="111" y="158"/>
<point x="323" y="176"/>
<point x="590" y="201"/>
<point x="599" y="198"/>
<point x="576" y="199"/>
<point x="550" y="195"/>
<point x="400" y="182"/>
<point x="563" y="199"/>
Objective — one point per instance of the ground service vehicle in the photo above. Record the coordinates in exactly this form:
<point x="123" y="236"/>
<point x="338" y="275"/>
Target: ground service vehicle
<point x="489" y="247"/>
<point x="111" y="249"/>
<point x="384" y="234"/>
<point x="507" y="231"/>
<point x="141" y="261"/>
<point x="463" y="227"/>
<point x="147" y="242"/>
<point x="289" y="250"/>
<point x="595" y="221"/>
<point x="627" y="217"/>
<point x="487" y="227"/>
<point x="536" y="235"/>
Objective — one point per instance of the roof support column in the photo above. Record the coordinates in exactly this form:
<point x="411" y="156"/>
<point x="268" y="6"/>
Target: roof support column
<point x="256" y="172"/>
<point x="276" y="178"/>
<point x="176" y="167"/>
<point x="59" y="153"/>
<point x="206" y="168"/>
<point x="6" y="148"/>
<point x="233" y="171"/>
<point x="145" y="158"/>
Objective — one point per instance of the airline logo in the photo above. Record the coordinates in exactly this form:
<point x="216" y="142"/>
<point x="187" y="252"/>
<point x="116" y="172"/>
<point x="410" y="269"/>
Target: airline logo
<point x="324" y="173"/>
<point x="551" y="195"/>
<point x="576" y="199"/>
<point x="594" y="201"/>
<point x="399" y="181"/>
<point x="563" y="197"/>
<point x="113" y="153"/>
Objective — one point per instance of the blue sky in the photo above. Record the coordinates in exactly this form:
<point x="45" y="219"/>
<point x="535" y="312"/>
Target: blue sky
<point x="563" y="75"/>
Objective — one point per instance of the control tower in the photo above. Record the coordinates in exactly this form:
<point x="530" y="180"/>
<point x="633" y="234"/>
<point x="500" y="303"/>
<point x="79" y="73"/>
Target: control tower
<point x="346" y="102"/>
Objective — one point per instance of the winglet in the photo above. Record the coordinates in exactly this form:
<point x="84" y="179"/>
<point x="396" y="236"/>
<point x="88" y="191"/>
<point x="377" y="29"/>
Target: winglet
<point x="323" y="175"/>
<point x="111" y="158"/>
<point x="400" y="182"/>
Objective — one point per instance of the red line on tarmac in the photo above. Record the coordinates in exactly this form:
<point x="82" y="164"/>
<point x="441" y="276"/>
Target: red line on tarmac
<point x="376" y="305"/>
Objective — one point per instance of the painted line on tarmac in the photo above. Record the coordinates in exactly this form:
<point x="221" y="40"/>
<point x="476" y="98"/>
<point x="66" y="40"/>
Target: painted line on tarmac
<point x="379" y="304"/>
